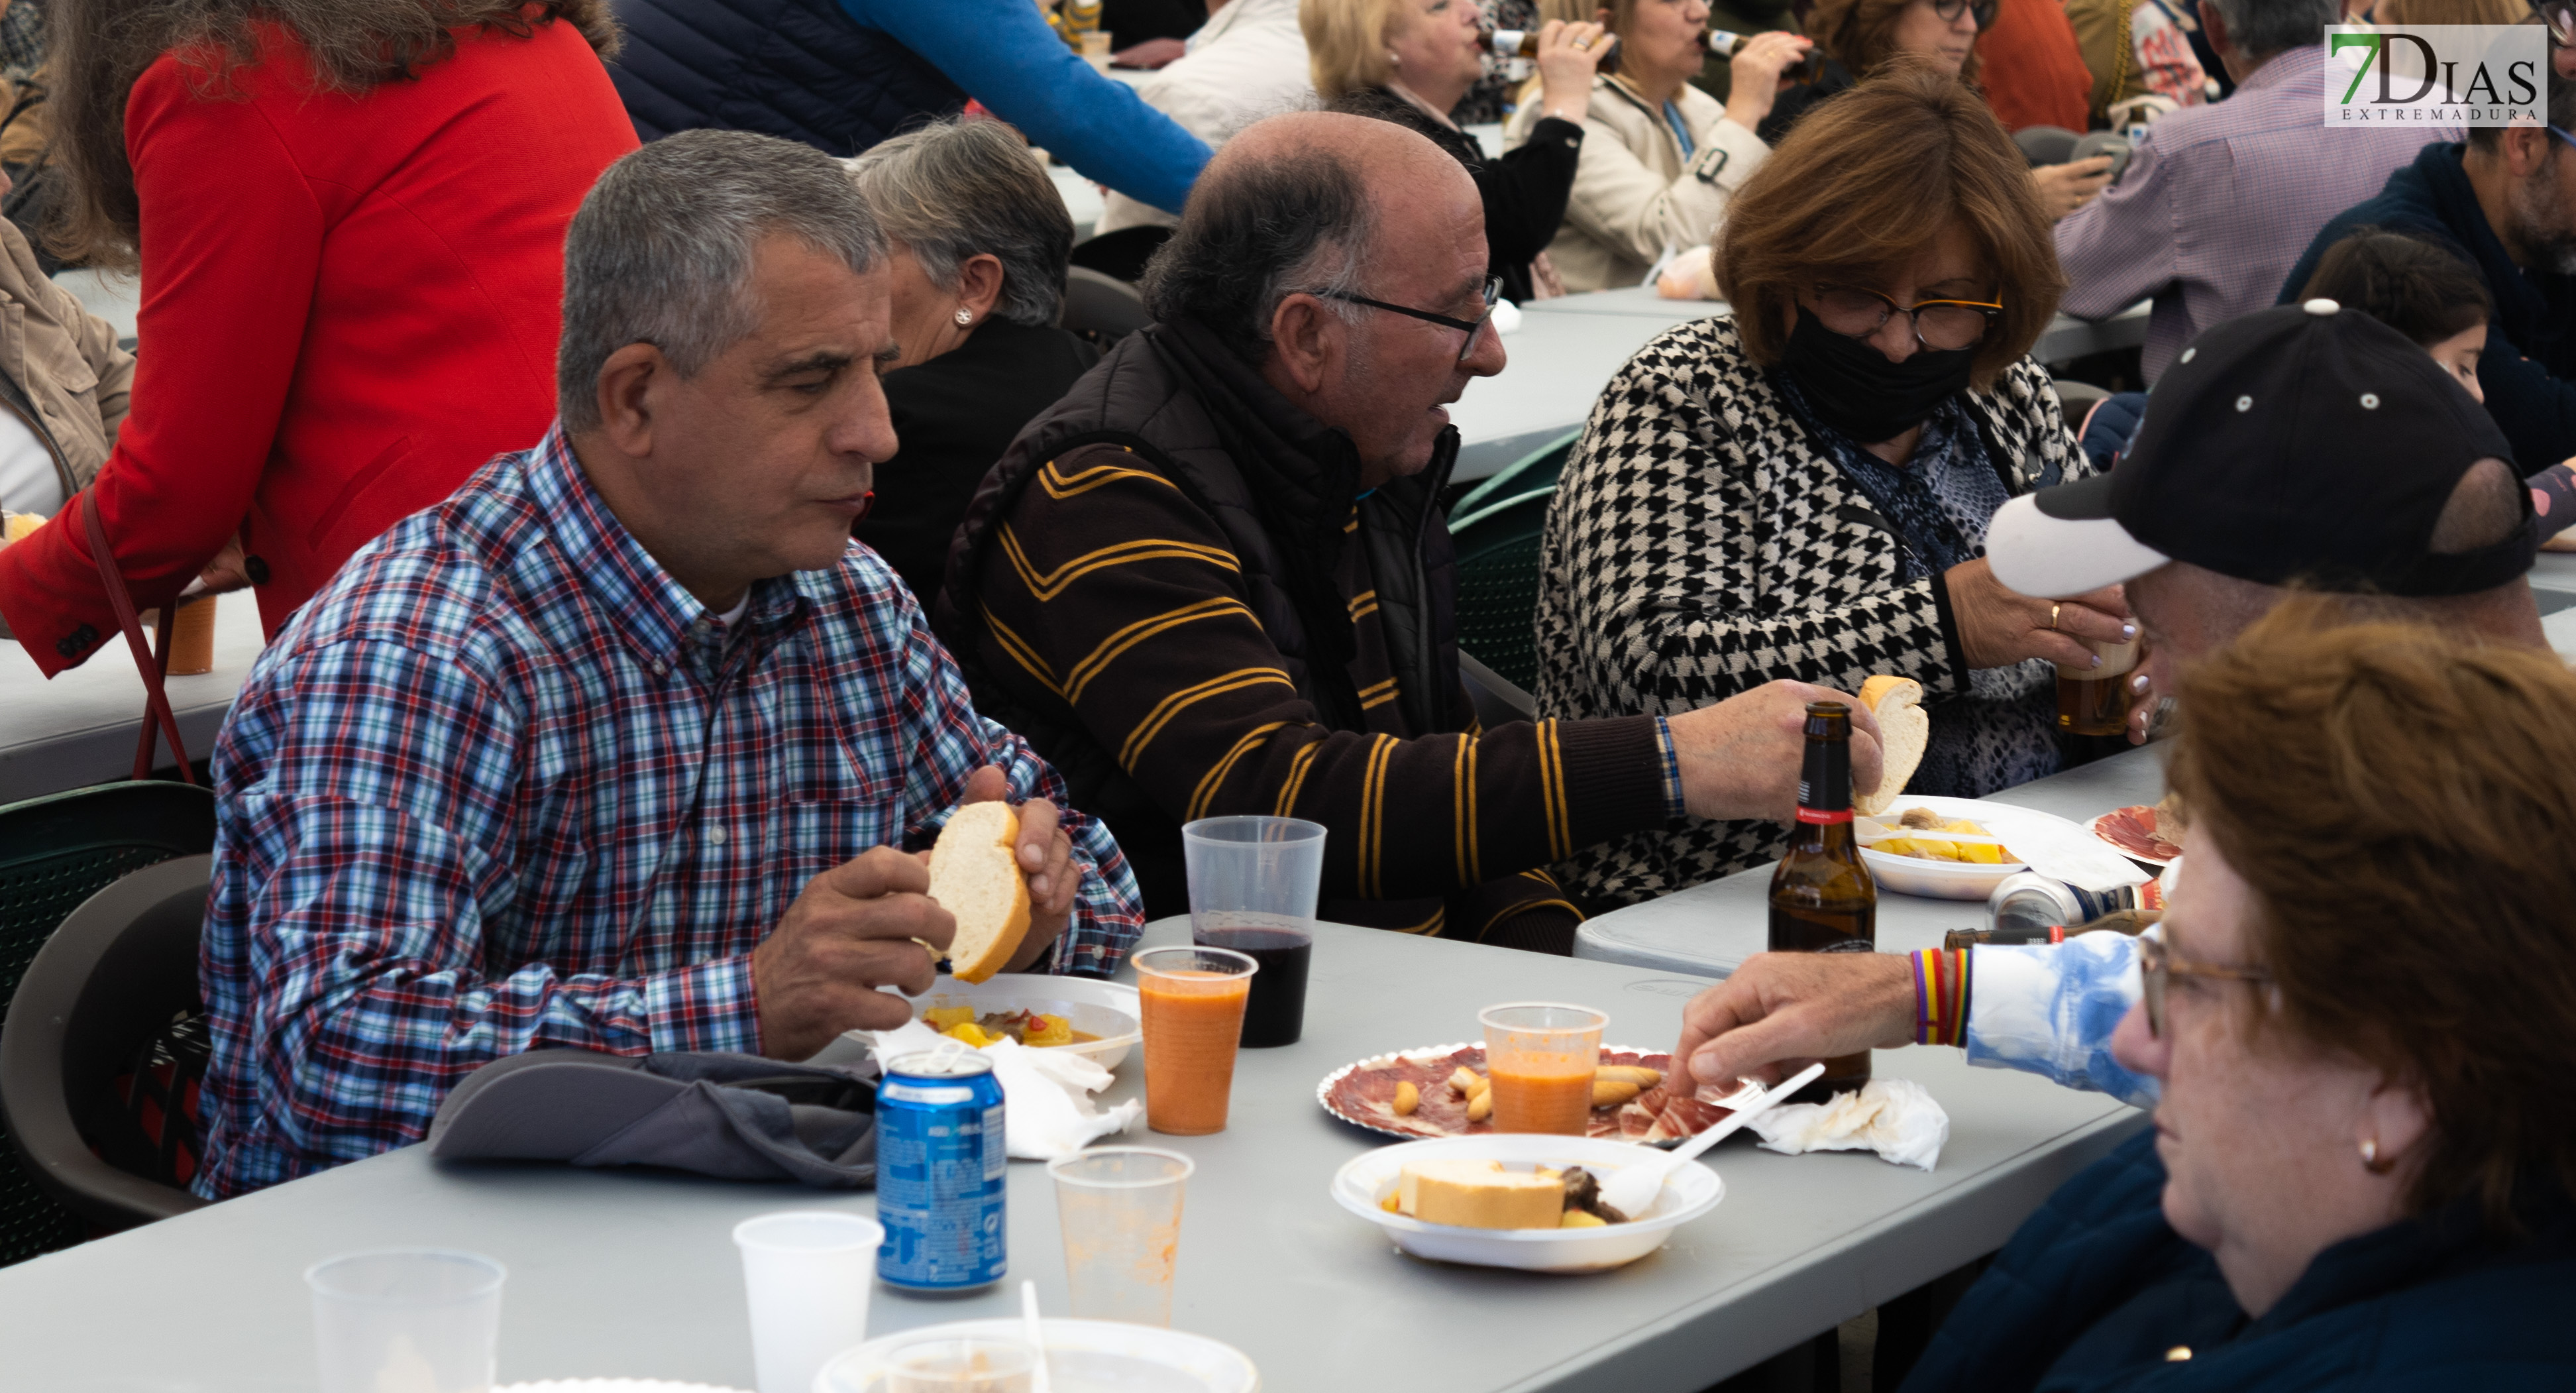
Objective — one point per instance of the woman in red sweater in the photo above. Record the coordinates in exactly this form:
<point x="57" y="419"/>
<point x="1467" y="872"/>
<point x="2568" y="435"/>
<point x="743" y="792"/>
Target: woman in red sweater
<point x="349" y="218"/>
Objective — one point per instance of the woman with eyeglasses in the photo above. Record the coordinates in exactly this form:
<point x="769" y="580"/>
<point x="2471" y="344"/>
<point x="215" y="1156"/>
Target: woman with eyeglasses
<point x="1801" y="489"/>
<point x="1411" y="62"/>
<point x="1862" y="37"/>
<point x="2356" y="1028"/>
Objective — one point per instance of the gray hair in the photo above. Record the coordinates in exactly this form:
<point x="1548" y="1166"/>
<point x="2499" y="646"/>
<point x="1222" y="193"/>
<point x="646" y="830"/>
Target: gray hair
<point x="661" y="250"/>
<point x="2260" y="28"/>
<point x="957" y="189"/>
<point x="1256" y="232"/>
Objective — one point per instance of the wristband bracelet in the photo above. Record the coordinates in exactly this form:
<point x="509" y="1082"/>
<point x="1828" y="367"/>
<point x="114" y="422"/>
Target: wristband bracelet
<point x="1940" y="996"/>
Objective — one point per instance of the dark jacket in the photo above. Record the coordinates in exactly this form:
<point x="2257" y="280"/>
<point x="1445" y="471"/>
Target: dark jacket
<point x="2529" y="368"/>
<point x="1802" y="98"/>
<point x="797" y="69"/>
<point x="1524" y="192"/>
<point x="2096" y="1290"/>
<point x="953" y="417"/>
<point x="1174" y="589"/>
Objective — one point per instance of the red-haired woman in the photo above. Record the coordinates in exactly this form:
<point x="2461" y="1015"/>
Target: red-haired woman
<point x="349" y="218"/>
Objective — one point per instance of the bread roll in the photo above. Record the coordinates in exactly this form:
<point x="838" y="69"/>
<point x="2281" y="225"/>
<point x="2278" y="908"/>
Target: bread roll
<point x="975" y="876"/>
<point x="1903" y="729"/>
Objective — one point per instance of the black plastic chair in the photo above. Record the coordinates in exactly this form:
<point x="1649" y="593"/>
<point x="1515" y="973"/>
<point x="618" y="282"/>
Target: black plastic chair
<point x="1102" y="307"/>
<point x="1497" y="527"/>
<point x="1121" y="255"/>
<point x="56" y="853"/>
<point x="109" y="982"/>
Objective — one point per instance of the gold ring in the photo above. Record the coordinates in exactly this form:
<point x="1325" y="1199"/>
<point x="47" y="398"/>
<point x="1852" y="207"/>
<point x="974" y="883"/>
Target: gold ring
<point x="2052" y="614"/>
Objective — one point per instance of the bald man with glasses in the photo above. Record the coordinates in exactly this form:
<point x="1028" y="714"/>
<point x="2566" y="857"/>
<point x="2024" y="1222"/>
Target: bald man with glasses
<point x="1216" y="579"/>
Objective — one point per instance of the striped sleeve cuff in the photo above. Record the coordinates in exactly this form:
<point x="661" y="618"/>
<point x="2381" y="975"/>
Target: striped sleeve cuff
<point x="1674" y="808"/>
<point x="709" y="1006"/>
<point x="1940" y="996"/>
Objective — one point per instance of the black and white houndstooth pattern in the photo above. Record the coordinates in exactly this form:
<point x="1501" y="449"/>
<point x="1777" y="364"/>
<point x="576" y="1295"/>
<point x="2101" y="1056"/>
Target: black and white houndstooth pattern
<point x="1701" y="544"/>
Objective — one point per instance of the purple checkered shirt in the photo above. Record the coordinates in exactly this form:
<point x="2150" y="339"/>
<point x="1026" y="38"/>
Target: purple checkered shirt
<point x="505" y="785"/>
<point x="2220" y="201"/>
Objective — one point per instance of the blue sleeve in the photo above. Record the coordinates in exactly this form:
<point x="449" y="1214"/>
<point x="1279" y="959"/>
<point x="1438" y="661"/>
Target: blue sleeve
<point x="2050" y="1009"/>
<point x="1005" y="56"/>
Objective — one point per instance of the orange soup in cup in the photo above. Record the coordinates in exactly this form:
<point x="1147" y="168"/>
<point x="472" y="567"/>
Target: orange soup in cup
<point x="1193" y="1002"/>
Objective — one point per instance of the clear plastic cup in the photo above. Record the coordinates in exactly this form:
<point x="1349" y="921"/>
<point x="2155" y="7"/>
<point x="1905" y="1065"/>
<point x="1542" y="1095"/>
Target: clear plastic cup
<point x="1253" y="885"/>
<point x="1193" y="1001"/>
<point x="409" y="1318"/>
<point x="960" y="1364"/>
<point x="807" y="1273"/>
<point x="1120" y="1208"/>
<point x="1541" y="1056"/>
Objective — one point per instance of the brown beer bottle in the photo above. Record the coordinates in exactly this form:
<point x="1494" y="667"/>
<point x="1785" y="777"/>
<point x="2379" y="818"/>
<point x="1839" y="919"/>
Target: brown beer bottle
<point x="1523" y="43"/>
<point x="1822" y="899"/>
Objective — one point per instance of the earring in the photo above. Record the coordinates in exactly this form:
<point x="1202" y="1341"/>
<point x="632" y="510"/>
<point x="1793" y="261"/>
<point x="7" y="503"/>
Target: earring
<point x="964" y="318"/>
<point x="2370" y="1158"/>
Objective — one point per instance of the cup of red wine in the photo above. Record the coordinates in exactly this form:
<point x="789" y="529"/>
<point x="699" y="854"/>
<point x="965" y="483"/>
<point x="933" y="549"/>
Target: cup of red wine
<point x="1253" y="882"/>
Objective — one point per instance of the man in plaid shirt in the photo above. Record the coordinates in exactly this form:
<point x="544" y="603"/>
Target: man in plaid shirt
<point x="626" y="746"/>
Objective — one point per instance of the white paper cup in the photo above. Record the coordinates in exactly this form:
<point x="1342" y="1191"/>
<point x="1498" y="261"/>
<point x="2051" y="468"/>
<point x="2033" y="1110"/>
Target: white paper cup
<point x="807" y="1272"/>
<point x="406" y="1318"/>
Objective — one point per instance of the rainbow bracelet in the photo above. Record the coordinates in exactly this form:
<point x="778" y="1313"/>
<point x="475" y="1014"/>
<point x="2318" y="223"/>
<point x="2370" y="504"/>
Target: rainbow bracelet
<point x="1940" y="996"/>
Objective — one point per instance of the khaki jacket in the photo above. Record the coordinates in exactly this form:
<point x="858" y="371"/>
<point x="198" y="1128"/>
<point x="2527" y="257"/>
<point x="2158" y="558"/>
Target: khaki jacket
<point x="1636" y="200"/>
<point x="63" y="362"/>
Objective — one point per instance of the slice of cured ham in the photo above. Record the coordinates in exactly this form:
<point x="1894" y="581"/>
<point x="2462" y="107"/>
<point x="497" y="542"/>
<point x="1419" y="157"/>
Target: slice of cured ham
<point x="2134" y="831"/>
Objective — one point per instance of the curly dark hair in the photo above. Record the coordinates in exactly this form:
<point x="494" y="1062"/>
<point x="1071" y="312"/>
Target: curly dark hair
<point x="99" y="47"/>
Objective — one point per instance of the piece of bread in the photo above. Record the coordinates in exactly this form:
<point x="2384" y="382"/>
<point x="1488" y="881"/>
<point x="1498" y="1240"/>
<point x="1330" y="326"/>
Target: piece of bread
<point x="1903" y="727"/>
<point x="975" y="876"/>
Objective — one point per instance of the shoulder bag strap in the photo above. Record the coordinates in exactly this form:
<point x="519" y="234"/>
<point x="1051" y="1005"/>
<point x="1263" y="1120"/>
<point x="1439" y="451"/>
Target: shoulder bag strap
<point x="154" y="665"/>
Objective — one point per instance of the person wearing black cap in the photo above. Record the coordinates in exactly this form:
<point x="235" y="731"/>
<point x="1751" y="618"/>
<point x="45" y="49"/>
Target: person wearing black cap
<point x="2304" y="446"/>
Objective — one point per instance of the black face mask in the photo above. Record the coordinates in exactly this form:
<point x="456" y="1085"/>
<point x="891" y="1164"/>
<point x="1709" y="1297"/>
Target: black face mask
<point x="1851" y="386"/>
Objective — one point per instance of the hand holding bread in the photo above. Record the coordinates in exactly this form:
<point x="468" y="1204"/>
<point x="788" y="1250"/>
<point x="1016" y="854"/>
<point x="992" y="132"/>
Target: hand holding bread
<point x="1740" y="758"/>
<point x="1007" y="874"/>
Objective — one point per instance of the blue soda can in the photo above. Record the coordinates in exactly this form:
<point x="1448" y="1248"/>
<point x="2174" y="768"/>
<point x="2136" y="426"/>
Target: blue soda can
<point x="940" y="1174"/>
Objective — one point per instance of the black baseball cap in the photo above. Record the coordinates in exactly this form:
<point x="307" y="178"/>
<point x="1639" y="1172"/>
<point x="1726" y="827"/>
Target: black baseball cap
<point x="2305" y="443"/>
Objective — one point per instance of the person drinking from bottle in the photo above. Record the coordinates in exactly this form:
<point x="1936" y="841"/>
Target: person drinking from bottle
<point x="1661" y="158"/>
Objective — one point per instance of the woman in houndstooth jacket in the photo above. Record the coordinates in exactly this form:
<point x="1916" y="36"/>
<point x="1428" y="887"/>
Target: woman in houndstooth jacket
<point x="1802" y="489"/>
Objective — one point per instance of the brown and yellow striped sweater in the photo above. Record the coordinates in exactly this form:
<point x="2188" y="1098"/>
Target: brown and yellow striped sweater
<point x="1176" y="596"/>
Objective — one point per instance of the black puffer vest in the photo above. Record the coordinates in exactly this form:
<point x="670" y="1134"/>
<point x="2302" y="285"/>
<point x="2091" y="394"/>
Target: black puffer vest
<point x="1281" y="487"/>
<point x="798" y="69"/>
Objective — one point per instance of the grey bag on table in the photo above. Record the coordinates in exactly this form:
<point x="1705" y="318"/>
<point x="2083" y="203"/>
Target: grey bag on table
<point x="733" y="1116"/>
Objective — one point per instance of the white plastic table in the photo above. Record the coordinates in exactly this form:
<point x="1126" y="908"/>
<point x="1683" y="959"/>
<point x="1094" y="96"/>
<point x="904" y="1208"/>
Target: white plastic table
<point x="1567" y="350"/>
<point x="634" y="1273"/>
<point x="80" y="727"/>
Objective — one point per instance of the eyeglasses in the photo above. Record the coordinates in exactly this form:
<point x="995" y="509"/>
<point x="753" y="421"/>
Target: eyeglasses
<point x="2562" y="135"/>
<point x="2157" y="966"/>
<point x="1984" y="10"/>
<point x="1939" y="324"/>
<point x="1475" y="327"/>
<point x="2560" y="15"/>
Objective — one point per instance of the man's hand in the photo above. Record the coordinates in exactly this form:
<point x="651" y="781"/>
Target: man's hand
<point x="850" y="933"/>
<point x="1741" y="757"/>
<point x="2063" y="188"/>
<point x="228" y="571"/>
<point x="2000" y="627"/>
<point x="1046" y="858"/>
<point x="1781" y="1012"/>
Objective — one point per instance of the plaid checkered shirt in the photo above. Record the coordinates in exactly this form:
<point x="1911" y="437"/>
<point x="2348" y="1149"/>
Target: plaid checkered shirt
<point x="505" y="785"/>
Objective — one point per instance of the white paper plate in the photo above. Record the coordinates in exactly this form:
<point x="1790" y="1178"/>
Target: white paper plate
<point x="1109" y="1010"/>
<point x="1951" y="880"/>
<point x="610" y="1385"/>
<point x="1083" y="1356"/>
<point x="1367" y="1180"/>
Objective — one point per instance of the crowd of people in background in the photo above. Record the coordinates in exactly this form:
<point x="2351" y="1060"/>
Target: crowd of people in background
<point x="671" y="487"/>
